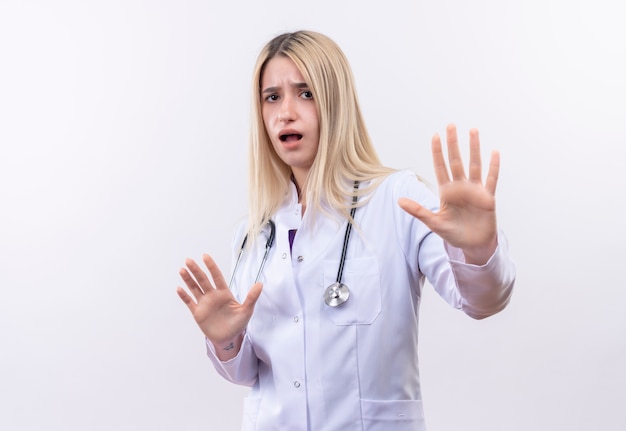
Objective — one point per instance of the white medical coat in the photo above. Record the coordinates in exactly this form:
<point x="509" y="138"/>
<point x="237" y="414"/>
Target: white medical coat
<point x="353" y="367"/>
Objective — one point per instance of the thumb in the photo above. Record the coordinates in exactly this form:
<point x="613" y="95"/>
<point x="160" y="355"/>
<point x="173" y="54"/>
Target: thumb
<point x="416" y="210"/>
<point x="253" y="296"/>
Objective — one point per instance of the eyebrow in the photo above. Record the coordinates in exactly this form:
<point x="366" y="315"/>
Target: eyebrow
<point x="296" y="85"/>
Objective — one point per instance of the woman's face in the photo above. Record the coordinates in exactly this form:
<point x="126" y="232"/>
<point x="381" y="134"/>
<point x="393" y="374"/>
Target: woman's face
<point x="290" y="115"/>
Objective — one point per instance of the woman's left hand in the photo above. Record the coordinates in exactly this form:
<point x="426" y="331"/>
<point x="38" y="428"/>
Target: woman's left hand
<point x="467" y="215"/>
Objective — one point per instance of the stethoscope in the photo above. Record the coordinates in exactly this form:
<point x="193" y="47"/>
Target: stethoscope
<point x="268" y="245"/>
<point x="337" y="293"/>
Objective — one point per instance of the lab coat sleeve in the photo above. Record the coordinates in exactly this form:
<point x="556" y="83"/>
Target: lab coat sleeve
<point x="484" y="290"/>
<point x="242" y="369"/>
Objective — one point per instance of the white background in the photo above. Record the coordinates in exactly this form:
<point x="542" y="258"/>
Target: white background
<point x="123" y="128"/>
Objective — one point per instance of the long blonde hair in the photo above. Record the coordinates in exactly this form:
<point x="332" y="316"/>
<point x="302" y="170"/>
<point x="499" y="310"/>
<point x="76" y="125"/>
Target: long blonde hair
<point x="345" y="153"/>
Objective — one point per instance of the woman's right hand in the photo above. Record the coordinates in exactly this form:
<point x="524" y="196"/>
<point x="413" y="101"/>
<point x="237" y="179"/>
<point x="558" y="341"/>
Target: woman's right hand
<point x="219" y="315"/>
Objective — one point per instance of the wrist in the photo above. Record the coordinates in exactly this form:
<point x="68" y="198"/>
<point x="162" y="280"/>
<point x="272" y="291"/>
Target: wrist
<point x="480" y="255"/>
<point x="227" y="348"/>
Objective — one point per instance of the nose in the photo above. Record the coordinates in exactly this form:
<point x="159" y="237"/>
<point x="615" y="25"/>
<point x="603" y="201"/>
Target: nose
<point x="286" y="113"/>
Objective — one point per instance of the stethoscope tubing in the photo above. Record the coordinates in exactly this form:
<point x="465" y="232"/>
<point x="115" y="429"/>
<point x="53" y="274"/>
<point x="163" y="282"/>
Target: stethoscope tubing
<point x="268" y="246"/>
<point x="346" y="238"/>
<point x="337" y="293"/>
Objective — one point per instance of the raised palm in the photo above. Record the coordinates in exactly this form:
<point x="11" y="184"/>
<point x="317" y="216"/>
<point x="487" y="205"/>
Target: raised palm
<point x="467" y="215"/>
<point x="216" y="311"/>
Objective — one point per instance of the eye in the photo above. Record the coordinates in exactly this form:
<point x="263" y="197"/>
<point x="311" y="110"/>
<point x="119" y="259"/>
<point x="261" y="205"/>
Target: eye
<point x="307" y="94"/>
<point x="271" y="98"/>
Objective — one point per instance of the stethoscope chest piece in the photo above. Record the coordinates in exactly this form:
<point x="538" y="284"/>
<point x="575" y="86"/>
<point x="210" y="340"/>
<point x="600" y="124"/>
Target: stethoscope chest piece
<point x="336" y="294"/>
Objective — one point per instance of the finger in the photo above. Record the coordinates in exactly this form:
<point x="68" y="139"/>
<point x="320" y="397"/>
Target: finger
<point x="475" y="163"/>
<point x="191" y="283"/>
<point x="494" y="172"/>
<point x="441" y="170"/>
<point x="199" y="275"/>
<point x="186" y="298"/>
<point x="454" y="154"/>
<point x="216" y="273"/>
<point x="416" y="210"/>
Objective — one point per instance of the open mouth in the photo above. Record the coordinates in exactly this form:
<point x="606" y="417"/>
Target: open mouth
<point x="290" y="137"/>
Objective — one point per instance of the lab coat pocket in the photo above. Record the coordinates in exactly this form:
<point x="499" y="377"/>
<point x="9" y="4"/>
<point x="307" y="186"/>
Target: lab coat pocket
<point x="397" y="415"/>
<point x="251" y="406"/>
<point x="364" y="303"/>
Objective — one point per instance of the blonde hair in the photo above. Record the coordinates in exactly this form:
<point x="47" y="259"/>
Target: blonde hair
<point x="345" y="153"/>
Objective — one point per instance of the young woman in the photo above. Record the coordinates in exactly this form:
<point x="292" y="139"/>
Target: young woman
<point x="320" y="317"/>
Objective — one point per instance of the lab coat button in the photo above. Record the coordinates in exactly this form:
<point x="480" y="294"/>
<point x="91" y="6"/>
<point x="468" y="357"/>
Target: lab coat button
<point x="296" y="384"/>
<point x="300" y="258"/>
<point x="284" y="256"/>
<point x="296" y="319"/>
